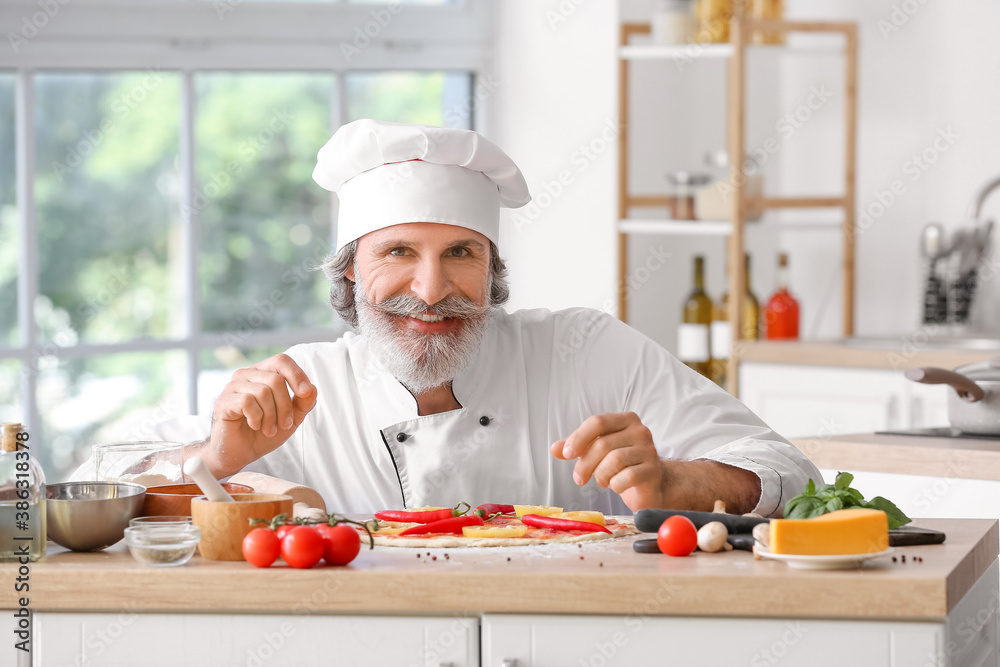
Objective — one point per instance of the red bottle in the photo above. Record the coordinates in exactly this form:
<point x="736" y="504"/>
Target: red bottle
<point x="781" y="314"/>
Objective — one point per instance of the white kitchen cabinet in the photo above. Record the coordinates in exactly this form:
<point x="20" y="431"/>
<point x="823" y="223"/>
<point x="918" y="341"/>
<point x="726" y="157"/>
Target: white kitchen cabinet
<point x="132" y="639"/>
<point x="968" y="638"/>
<point x="8" y="654"/>
<point x="802" y="401"/>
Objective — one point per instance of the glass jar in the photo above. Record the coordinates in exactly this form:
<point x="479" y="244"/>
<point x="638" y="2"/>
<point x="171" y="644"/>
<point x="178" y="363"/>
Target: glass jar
<point x="683" y="185"/>
<point x="143" y="462"/>
<point x="767" y="10"/>
<point x="713" y="17"/>
<point x="672" y="22"/>
<point x="714" y="201"/>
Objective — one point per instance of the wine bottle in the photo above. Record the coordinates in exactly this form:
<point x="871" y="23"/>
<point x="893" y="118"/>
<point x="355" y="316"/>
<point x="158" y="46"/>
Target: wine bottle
<point x="693" y="333"/>
<point x="721" y="332"/>
<point x="781" y="314"/>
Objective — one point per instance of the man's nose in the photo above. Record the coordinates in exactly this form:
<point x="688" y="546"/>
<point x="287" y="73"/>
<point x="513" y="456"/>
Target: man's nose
<point x="430" y="283"/>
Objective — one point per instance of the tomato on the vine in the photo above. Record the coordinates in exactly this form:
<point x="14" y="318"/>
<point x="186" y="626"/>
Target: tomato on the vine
<point x="302" y="547"/>
<point x="284" y="529"/>
<point x="261" y="547"/>
<point x="342" y="543"/>
<point x="677" y="536"/>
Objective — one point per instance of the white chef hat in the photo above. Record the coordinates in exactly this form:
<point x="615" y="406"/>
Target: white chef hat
<point x="390" y="173"/>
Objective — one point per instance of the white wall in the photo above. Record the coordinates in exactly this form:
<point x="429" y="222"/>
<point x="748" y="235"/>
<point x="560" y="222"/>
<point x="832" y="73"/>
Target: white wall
<point x="556" y="95"/>
<point x="941" y="69"/>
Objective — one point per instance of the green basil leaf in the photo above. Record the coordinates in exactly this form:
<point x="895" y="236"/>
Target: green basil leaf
<point x="843" y="480"/>
<point x="857" y="496"/>
<point x="792" y="504"/>
<point x="847" y="499"/>
<point x="810" y="489"/>
<point x="804" y="507"/>
<point x="834" y="504"/>
<point x="894" y="514"/>
<point x="825" y="490"/>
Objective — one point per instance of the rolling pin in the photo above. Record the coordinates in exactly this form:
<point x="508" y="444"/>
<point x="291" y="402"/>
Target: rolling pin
<point x="306" y="502"/>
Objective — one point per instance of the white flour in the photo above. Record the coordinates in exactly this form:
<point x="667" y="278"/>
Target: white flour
<point x="162" y="472"/>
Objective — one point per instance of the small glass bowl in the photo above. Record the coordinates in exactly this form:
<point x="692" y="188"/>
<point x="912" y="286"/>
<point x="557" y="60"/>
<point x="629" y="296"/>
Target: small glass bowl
<point x="161" y="521"/>
<point x="163" y="545"/>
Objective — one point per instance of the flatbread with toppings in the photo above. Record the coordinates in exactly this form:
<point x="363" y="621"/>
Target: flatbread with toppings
<point x="494" y="526"/>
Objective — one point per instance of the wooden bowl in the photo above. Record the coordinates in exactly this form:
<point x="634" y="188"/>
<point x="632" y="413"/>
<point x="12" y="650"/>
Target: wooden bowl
<point x="224" y="525"/>
<point x="175" y="499"/>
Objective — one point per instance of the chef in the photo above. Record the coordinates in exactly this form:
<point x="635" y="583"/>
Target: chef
<point x="441" y="396"/>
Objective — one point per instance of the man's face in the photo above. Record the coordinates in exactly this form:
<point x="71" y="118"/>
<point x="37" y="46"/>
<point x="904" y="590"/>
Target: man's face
<point x="422" y="292"/>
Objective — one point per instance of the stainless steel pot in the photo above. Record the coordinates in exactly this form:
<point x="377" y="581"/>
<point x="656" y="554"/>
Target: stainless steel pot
<point x="974" y="405"/>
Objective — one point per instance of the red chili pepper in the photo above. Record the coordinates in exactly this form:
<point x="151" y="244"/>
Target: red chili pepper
<point x="561" y="524"/>
<point x="453" y="526"/>
<point x="490" y="509"/>
<point x="425" y="516"/>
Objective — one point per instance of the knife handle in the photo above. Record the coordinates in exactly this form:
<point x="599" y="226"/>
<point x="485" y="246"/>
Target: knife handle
<point x="650" y="520"/>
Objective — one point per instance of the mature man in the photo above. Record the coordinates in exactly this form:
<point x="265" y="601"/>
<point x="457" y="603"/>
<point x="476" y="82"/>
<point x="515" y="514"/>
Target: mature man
<point x="442" y="396"/>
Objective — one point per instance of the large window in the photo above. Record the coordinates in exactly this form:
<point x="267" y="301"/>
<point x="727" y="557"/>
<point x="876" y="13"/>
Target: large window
<point x="158" y="222"/>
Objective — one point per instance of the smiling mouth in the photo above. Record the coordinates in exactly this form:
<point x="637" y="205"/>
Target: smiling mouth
<point x="424" y="317"/>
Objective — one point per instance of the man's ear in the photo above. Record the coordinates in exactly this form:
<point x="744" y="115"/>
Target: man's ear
<point x="350" y="273"/>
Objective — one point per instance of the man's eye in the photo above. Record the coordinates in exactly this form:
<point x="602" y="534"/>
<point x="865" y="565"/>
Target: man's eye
<point x="459" y="252"/>
<point x="398" y="252"/>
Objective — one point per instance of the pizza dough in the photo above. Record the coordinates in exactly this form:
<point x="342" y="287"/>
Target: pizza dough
<point x="619" y="527"/>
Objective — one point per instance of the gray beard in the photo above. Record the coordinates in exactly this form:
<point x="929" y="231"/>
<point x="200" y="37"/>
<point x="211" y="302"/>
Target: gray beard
<point x="421" y="361"/>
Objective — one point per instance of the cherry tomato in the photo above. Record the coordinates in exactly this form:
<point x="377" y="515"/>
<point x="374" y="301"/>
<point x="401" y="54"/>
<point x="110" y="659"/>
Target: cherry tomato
<point x="342" y="543"/>
<point x="677" y="536"/>
<point x="284" y="529"/>
<point x="261" y="547"/>
<point x="302" y="547"/>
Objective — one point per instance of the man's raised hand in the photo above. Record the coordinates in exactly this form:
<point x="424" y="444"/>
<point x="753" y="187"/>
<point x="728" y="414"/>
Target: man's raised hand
<point x="257" y="412"/>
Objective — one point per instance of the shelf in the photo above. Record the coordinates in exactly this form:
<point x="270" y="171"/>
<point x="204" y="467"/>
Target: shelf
<point x="695" y="51"/>
<point x="715" y="227"/>
<point x="676" y="51"/>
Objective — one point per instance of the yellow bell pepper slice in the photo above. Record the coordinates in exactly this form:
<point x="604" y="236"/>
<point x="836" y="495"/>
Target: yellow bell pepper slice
<point x="393" y="530"/>
<point x="583" y="515"/>
<point x="495" y="531"/>
<point x="540" y="510"/>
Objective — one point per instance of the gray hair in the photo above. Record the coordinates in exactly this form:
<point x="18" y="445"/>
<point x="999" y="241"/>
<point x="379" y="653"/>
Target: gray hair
<point x="336" y="265"/>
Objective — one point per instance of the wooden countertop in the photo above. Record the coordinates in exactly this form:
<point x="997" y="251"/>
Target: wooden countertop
<point x="908" y="354"/>
<point x="597" y="578"/>
<point x="905" y="454"/>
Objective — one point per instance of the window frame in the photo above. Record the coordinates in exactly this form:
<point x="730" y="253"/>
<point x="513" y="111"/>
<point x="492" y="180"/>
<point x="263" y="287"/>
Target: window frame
<point x="191" y="36"/>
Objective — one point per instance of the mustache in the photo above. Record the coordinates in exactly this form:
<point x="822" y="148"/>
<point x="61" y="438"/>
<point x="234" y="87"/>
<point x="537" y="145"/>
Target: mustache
<point x="407" y="305"/>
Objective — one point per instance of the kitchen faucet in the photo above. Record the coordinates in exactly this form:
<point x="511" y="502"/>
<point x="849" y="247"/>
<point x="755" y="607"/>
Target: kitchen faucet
<point x="976" y="205"/>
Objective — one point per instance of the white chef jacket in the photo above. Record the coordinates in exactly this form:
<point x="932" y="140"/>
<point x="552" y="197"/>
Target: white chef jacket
<point x="536" y="377"/>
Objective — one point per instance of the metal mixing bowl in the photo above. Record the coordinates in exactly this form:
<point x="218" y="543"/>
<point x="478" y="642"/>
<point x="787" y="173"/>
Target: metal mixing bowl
<point x="89" y="516"/>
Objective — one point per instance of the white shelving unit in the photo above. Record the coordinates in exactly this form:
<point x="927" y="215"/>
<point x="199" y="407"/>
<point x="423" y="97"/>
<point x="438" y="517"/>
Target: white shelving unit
<point x="715" y="227"/>
<point x="737" y="226"/>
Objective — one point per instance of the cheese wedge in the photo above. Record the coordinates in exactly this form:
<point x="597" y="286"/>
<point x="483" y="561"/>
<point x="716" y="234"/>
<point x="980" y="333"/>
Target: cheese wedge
<point x="850" y="531"/>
